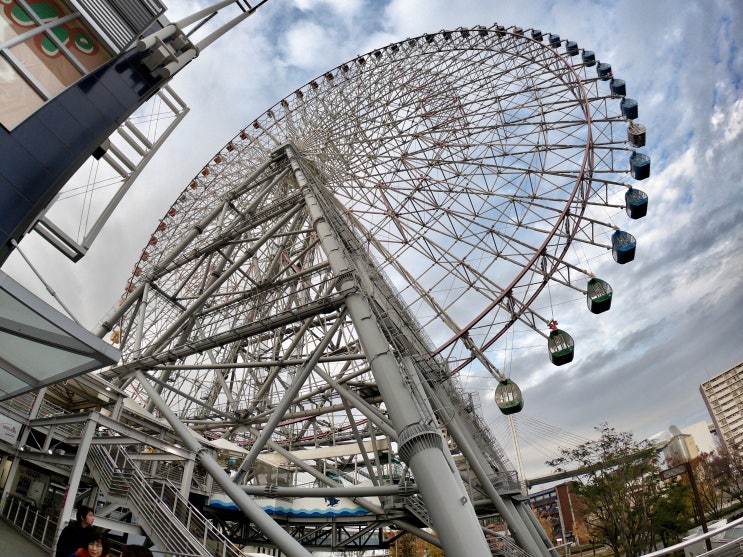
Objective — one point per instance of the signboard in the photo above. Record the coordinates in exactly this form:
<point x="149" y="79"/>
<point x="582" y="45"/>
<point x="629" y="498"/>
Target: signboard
<point x="671" y="472"/>
<point x="31" y="485"/>
<point x="9" y="429"/>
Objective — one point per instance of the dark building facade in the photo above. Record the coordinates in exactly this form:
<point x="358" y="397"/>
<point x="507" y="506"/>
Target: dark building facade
<point x="70" y="76"/>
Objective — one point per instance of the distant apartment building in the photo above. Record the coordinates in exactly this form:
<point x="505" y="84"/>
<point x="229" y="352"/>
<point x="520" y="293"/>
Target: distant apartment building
<point x="723" y="395"/>
<point x="562" y="509"/>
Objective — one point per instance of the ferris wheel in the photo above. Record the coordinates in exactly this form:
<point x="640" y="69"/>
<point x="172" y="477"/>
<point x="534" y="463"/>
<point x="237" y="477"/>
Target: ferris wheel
<point x="325" y="277"/>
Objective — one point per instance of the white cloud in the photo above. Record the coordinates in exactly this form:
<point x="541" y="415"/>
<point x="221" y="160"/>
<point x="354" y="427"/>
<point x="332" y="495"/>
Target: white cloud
<point x="729" y="121"/>
<point x="306" y="45"/>
<point x="345" y="8"/>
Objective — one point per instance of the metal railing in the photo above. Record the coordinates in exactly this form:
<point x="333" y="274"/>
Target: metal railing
<point x="202" y="529"/>
<point x="417" y="507"/>
<point x="21" y="406"/>
<point x="503" y="545"/>
<point x="116" y="479"/>
<point x="173" y="472"/>
<point x="37" y="527"/>
<point x="166" y="516"/>
<point x="733" y="548"/>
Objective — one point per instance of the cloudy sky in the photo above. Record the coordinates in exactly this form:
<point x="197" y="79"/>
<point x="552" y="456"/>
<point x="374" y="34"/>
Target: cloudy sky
<point x="676" y="318"/>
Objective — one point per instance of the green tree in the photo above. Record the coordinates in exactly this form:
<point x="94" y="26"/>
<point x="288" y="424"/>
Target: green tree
<point x="403" y="545"/>
<point x="674" y="513"/>
<point x="408" y="545"/>
<point x="619" y="485"/>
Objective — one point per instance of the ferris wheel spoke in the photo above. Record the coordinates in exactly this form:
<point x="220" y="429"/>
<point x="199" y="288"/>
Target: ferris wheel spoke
<point x="458" y="177"/>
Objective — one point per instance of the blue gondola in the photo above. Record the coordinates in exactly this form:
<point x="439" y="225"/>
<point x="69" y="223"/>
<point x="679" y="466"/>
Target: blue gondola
<point x="554" y="41"/>
<point x="629" y="108"/>
<point x="636" y="134"/>
<point x="618" y="87"/>
<point x="623" y="247"/>
<point x="636" y="203"/>
<point x="598" y="295"/>
<point x="571" y="47"/>
<point x="639" y="164"/>
<point x="603" y="70"/>
<point x="589" y="58"/>
<point x="561" y="347"/>
<point x="536" y="34"/>
<point x="508" y="397"/>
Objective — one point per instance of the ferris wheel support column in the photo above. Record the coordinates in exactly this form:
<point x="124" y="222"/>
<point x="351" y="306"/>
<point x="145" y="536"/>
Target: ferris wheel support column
<point x="421" y="446"/>
<point x="375" y="509"/>
<point x="283" y="540"/>
<point x="520" y="530"/>
<point x="531" y="521"/>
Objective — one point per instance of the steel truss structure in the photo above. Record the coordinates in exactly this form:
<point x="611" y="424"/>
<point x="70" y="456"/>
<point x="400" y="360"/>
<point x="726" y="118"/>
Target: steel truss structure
<point x="313" y="292"/>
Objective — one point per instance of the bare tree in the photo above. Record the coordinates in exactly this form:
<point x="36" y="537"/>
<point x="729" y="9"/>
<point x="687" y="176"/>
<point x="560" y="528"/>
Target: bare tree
<point x="727" y="468"/>
<point x="708" y="483"/>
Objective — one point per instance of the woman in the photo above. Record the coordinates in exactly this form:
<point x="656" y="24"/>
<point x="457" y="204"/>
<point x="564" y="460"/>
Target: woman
<point x="97" y="546"/>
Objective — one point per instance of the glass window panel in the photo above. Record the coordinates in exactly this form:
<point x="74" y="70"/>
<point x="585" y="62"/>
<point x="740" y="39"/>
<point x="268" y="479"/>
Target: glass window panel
<point x="41" y="58"/>
<point x="38" y="360"/>
<point x="76" y="35"/>
<point x="17" y="98"/>
<point x="10" y="384"/>
<point x="82" y="43"/>
<point x="13" y="20"/>
<point x="85" y="46"/>
<point x="38" y="59"/>
<point x="19" y="313"/>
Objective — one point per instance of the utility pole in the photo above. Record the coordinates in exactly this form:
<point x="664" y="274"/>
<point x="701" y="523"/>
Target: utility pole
<point x="698" y="502"/>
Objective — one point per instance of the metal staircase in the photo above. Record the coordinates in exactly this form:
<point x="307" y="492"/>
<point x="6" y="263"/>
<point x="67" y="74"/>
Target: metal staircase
<point x="504" y="546"/>
<point x="167" y="517"/>
<point x="414" y="504"/>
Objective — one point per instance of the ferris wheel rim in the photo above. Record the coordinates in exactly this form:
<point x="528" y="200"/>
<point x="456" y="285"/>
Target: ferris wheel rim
<point x="579" y="179"/>
<point x="588" y="154"/>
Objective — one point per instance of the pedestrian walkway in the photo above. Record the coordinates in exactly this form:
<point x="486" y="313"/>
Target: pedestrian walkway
<point x="15" y="543"/>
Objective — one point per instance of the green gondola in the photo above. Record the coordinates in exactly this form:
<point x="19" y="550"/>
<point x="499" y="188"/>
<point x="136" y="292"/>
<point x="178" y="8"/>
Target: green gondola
<point x="508" y="397"/>
<point x="598" y="295"/>
<point x="561" y="347"/>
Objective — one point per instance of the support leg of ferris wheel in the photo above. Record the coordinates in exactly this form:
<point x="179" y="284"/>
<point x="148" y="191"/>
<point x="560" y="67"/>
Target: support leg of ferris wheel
<point x="526" y="531"/>
<point x="283" y="540"/>
<point x="363" y="502"/>
<point x="522" y="530"/>
<point x="422" y="447"/>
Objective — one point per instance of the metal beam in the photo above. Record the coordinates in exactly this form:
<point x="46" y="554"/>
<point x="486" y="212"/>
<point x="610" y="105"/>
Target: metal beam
<point x="250" y="508"/>
<point x="421" y="446"/>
